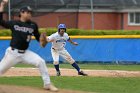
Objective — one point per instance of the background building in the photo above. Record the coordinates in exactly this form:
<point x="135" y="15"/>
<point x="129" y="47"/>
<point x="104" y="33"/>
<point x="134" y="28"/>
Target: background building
<point x="103" y="15"/>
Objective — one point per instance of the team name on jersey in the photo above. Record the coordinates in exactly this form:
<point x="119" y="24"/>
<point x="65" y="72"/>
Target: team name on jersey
<point x="23" y="29"/>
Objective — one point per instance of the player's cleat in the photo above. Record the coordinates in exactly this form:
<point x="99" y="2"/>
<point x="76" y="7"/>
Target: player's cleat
<point x="82" y="73"/>
<point x="58" y="73"/>
<point x="51" y="88"/>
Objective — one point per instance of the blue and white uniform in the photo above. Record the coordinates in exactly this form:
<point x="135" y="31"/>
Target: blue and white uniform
<point x="59" y="40"/>
<point x="58" y="48"/>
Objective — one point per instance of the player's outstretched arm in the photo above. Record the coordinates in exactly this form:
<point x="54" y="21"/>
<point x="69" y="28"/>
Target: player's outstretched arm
<point x="3" y="23"/>
<point x="50" y="38"/>
<point x="2" y="5"/>
<point x="74" y="43"/>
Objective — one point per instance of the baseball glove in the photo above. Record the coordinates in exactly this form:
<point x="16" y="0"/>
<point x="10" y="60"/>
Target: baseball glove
<point x="43" y="40"/>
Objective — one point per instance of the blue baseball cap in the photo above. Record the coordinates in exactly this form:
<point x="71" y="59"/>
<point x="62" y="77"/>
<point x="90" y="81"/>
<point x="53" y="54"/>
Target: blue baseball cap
<point x="62" y="26"/>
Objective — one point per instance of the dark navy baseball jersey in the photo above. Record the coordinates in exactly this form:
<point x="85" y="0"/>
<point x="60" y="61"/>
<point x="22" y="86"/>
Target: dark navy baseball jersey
<point x="21" y="32"/>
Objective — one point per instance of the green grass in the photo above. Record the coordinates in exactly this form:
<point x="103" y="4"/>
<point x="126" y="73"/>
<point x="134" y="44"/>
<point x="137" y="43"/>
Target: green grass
<point x="23" y="65"/>
<point x="91" y="84"/>
<point x="94" y="66"/>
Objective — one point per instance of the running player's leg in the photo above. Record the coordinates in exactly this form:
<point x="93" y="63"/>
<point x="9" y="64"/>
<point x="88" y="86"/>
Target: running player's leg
<point x="55" y="56"/>
<point x="64" y="53"/>
<point x="32" y="58"/>
<point x="10" y="59"/>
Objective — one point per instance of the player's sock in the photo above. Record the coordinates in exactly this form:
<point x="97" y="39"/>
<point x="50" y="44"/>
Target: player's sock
<point x="76" y="66"/>
<point x="57" y="67"/>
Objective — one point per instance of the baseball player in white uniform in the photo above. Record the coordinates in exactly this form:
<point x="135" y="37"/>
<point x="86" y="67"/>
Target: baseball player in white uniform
<point x="17" y="52"/>
<point x="58" y="40"/>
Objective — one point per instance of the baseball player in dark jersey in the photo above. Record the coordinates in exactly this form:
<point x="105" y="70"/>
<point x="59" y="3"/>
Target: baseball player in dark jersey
<point x="22" y="30"/>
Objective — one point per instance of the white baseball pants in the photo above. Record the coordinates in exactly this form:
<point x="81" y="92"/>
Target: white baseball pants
<point x="12" y="57"/>
<point x="63" y="53"/>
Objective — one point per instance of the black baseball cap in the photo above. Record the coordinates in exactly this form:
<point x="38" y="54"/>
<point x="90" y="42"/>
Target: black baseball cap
<point x="26" y="9"/>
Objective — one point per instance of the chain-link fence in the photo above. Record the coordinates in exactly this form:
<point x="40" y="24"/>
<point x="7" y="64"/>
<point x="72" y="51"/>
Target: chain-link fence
<point x="49" y="13"/>
<point x="53" y="10"/>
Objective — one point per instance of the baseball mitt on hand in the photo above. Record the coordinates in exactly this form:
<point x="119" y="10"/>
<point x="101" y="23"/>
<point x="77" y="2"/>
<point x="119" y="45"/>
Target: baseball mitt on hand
<point x="43" y="40"/>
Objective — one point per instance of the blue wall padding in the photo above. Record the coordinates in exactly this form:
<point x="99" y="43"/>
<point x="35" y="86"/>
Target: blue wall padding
<point x="90" y="49"/>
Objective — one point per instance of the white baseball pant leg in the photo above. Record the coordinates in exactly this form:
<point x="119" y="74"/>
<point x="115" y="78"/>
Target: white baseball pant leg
<point x="10" y="59"/>
<point x="55" y="56"/>
<point x="32" y="58"/>
<point x="64" y="54"/>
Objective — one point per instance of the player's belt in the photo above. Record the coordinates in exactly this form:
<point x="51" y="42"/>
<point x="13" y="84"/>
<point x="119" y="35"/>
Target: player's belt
<point x="19" y="51"/>
<point x="57" y="49"/>
<point x="53" y="48"/>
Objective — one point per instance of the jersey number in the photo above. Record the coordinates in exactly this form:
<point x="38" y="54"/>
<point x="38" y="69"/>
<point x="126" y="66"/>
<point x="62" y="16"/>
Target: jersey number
<point x="28" y="38"/>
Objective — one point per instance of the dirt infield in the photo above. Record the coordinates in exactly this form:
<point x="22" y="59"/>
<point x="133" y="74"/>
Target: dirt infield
<point x="72" y="72"/>
<point x="19" y="89"/>
<point x="65" y="72"/>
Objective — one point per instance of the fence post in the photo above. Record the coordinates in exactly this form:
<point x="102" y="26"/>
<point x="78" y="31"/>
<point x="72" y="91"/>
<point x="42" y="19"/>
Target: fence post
<point x="9" y="10"/>
<point x="92" y="15"/>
